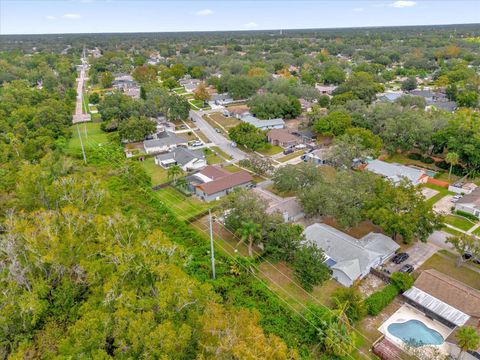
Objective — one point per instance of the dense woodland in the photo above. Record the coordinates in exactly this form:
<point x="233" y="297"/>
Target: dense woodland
<point x="94" y="265"/>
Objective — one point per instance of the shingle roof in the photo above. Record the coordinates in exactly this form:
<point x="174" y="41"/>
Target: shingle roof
<point x="226" y="182"/>
<point x="167" y="138"/>
<point x="472" y="198"/>
<point x="181" y="155"/>
<point x="282" y="135"/>
<point x="352" y="256"/>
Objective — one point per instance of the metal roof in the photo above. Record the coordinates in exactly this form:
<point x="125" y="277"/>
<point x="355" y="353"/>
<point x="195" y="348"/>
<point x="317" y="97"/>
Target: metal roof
<point x="437" y="306"/>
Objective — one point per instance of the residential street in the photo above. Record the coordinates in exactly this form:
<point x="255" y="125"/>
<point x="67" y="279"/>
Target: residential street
<point x="80" y="116"/>
<point x="217" y="138"/>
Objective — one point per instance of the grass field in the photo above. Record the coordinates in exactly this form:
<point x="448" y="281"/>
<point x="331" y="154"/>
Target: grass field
<point x="158" y="174"/>
<point x="270" y="150"/>
<point x="212" y="158"/>
<point x="446" y="264"/>
<point x="290" y="156"/>
<point x="185" y="207"/>
<point x="91" y="136"/>
<point x="459" y="222"/>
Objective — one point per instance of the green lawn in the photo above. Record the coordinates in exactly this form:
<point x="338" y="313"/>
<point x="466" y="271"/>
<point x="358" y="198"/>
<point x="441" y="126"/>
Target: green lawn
<point x="442" y="192"/>
<point x="180" y="90"/>
<point x="290" y="156"/>
<point x="91" y="135"/>
<point x="221" y="152"/>
<point x="198" y="104"/>
<point x="451" y="231"/>
<point x="477" y="232"/>
<point x="184" y="207"/>
<point x="158" y="174"/>
<point x="232" y="168"/>
<point x="270" y="150"/>
<point x="212" y="158"/>
<point x="459" y="222"/>
<point x="447" y="266"/>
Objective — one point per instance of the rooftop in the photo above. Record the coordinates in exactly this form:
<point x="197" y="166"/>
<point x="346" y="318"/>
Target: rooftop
<point x="396" y="172"/>
<point x="214" y="180"/>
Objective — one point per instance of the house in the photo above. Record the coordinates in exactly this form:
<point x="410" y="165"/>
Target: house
<point x="397" y="172"/>
<point x="449" y="106"/>
<point x="213" y="182"/>
<point x="462" y="188"/>
<point x="221" y="99"/>
<point x="305" y="105"/>
<point x="190" y="85"/>
<point x="325" y="89"/>
<point x="289" y="208"/>
<point x="317" y="157"/>
<point x="389" y="96"/>
<point x="123" y="81"/>
<point x="133" y="92"/>
<point x="283" y="138"/>
<point x="187" y="159"/>
<point x="163" y="142"/>
<point x="470" y="203"/>
<point x="350" y="259"/>
<point x="237" y="111"/>
<point x="448" y="301"/>
<point x="263" y="124"/>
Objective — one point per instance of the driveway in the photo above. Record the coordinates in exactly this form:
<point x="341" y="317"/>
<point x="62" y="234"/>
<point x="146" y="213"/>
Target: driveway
<point x="438" y="239"/>
<point x="443" y="205"/>
<point x="419" y="253"/>
<point x="218" y="139"/>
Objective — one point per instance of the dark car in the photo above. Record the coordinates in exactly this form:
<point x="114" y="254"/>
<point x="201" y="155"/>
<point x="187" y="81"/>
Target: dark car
<point x="407" y="269"/>
<point x="288" y="151"/>
<point x="399" y="258"/>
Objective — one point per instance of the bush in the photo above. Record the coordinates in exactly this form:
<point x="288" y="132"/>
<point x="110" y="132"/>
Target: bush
<point x="415" y="156"/>
<point x="456" y="169"/>
<point x="402" y="280"/>
<point x="419" y="157"/>
<point x="427" y="160"/>
<point x="380" y="299"/>
<point x="466" y="215"/>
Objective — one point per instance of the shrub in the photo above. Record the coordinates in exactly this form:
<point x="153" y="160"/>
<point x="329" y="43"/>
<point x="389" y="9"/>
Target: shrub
<point x="380" y="299"/>
<point x="402" y="280"/>
<point x="414" y="156"/>
<point x="427" y="160"/>
<point x="466" y="215"/>
<point x="456" y="169"/>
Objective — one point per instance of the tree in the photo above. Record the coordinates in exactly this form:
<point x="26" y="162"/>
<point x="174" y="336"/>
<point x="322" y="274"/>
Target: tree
<point x="294" y="178"/>
<point x="467" y="247"/>
<point x="94" y="98"/>
<point x="201" y="92"/>
<point x="468" y="99"/>
<point x="106" y="79"/>
<point x="249" y="232"/>
<point x="136" y="128"/>
<point x="351" y="301"/>
<point x="309" y="267"/>
<point x="178" y="108"/>
<point x="409" y="84"/>
<point x="361" y="85"/>
<point x="347" y="149"/>
<point x="335" y="123"/>
<point x="248" y="135"/>
<point x="259" y="165"/>
<point x="453" y="159"/>
<point x="173" y="172"/>
<point x="402" y="280"/>
<point x="468" y="339"/>
<point x="368" y="139"/>
<point x="283" y="241"/>
<point x="271" y="106"/>
<point x="145" y="74"/>
<point x="332" y="73"/>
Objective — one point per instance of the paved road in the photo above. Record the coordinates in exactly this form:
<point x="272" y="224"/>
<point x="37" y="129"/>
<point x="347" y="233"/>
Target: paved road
<point x="219" y="140"/>
<point x="80" y="116"/>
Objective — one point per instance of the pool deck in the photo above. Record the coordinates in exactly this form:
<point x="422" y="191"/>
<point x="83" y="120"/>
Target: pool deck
<point x="407" y="312"/>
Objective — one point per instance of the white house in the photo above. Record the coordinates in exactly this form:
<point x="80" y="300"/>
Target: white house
<point x="470" y="203"/>
<point x="164" y="142"/>
<point x="350" y="259"/>
<point x="187" y="159"/>
<point x="397" y="172"/>
<point x="263" y="124"/>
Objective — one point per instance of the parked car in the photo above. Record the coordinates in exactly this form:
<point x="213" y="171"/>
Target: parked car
<point x="400" y="257"/>
<point x="407" y="269"/>
<point x="456" y="198"/>
<point x="288" y="151"/>
<point x="217" y="130"/>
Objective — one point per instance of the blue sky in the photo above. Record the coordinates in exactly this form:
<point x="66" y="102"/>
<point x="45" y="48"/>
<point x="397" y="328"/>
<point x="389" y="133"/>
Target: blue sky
<point x="82" y="16"/>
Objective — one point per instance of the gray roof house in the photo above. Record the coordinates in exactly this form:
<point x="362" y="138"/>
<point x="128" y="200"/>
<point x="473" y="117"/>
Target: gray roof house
<point x="470" y="203"/>
<point x="396" y="172"/>
<point x="187" y="159"/>
<point x="350" y="259"/>
<point x="390" y="96"/>
<point x="165" y="141"/>
<point x="263" y="124"/>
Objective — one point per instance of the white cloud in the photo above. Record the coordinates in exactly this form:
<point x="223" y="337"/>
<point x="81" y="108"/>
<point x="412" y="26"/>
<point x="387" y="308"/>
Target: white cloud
<point x="50" y="17"/>
<point x="204" y="12"/>
<point x="359" y="9"/>
<point x="72" y="16"/>
<point x="250" y="25"/>
<point x="403" y="4"/>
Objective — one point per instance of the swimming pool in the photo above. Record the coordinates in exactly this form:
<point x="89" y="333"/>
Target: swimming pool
<point x="415" y="333"/>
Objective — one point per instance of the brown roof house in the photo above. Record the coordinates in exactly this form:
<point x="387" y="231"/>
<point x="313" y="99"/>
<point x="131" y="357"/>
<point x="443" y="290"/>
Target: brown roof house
<point x="283" y="138"/>
<point x="213" y="182"/>
<point x="448" y="301"/>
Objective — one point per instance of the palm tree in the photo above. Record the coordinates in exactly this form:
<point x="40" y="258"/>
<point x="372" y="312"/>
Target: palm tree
<point x="182" y="183"/>
<point x="173" y="172"/>
<point x="467" y="339"/>
<point x="249" y="231"/>
<point x="452" y="158"/>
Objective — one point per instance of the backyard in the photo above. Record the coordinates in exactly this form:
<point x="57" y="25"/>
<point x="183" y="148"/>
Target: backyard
<point x="184" y="207"/>
<point x="158" y="174"/>
<point x="91" y="134"/>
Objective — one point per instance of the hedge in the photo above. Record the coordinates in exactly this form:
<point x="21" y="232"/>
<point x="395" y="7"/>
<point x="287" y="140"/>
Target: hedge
<point x="467" y="215"/>
<point x="379" y="300"/>
<point x="419" y="157"/>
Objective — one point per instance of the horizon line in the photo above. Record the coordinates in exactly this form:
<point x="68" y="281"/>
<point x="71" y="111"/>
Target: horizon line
<point x="239" y="30"/>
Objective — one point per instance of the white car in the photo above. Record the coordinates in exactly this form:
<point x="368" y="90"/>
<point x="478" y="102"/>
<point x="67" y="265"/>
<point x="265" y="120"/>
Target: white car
<point x="300" y="146"/>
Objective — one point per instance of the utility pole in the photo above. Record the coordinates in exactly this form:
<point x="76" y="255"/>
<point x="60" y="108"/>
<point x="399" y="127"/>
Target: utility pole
<point x="211" y="243"/>
<point x="81" y="144"/>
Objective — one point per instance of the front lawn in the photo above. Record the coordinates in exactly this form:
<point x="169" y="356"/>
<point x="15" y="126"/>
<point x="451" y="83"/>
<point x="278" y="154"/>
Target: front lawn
<point x="226" y="122"/>
<point x="221" y="152"/>
<point x="270" y="150"/>
<point x="180" y="90"/>
<point x="446" y="265"/>
<point x="158" y="174"/>
<point x="198" y="104"/>
<point x="442" y="192"/>
<point x="290" y="156"/>
<point x="212" y="157"/>
<point x="459" y="222"/>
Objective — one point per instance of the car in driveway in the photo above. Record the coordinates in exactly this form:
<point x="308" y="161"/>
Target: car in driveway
<point x="400" y="257"/>
<point x="288" y="151"/>
<point x="407" y="269"/>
